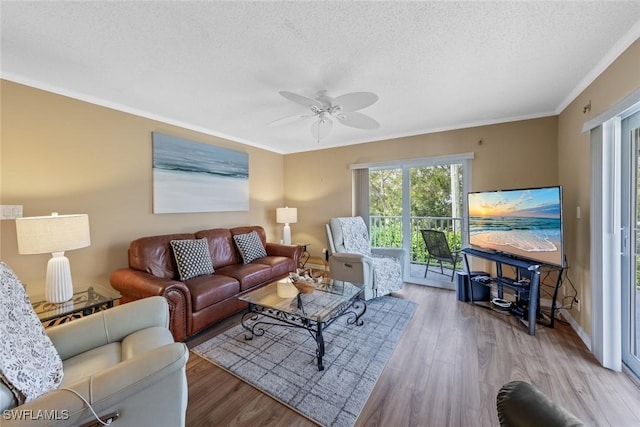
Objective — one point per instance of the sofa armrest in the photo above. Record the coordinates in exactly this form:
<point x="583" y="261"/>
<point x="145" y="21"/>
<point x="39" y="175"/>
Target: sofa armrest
<point x="104" y="327"/>
<point x="113" y="388"/>
<point x="398" y="253"/>
<point x="290" y="251"/>
<point x="391" y="252"/>
<point x="135" y="284"/>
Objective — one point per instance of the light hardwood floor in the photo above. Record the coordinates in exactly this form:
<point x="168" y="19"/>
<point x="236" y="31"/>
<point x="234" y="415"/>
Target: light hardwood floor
<point x="445" y="371"/>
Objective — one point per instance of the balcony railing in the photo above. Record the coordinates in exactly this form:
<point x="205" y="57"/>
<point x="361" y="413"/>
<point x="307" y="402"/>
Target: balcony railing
<point x="386" y="231"/>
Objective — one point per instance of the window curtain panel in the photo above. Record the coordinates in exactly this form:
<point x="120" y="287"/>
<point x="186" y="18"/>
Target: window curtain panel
<point x="361" y="194"/>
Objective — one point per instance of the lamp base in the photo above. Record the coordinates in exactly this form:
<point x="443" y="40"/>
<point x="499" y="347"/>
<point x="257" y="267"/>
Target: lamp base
<point x="58" y="285"/>
<point x="286" y="234"/>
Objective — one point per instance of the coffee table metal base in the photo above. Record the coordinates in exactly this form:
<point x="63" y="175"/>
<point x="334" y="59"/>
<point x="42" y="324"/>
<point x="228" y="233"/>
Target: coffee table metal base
<point x="257" y="315"/>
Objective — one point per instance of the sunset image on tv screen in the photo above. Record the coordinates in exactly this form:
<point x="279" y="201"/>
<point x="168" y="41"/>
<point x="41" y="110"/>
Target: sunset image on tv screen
<point x="525" y="223"/>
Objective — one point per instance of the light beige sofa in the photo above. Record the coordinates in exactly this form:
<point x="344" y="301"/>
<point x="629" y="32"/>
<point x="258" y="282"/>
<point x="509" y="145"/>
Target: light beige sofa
<point x="122" y="360"/>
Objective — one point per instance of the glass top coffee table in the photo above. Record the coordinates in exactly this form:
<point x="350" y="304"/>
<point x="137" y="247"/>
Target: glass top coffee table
<point x="311" y="306"/>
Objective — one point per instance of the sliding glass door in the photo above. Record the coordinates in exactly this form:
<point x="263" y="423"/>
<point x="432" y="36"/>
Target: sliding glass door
<point x="631" y="242"/>
<point x="405" y="199"/>
<point x="435" y="204"/>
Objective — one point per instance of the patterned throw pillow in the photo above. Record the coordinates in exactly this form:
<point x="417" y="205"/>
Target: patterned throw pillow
<point x="29" y="363"/>
<point x="250" y="246"/>
<point x="192" y="258"/>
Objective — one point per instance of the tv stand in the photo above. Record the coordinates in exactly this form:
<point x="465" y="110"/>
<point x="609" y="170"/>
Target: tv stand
<point x="523" y="287"/>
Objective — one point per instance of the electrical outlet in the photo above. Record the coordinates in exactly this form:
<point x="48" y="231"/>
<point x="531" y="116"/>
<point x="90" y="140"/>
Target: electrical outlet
<point x="10" y="211"/>
<point x="576" y="301"/>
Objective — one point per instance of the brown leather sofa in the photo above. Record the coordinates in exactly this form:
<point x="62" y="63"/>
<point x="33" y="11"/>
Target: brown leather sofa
<point x="201" y="301"/>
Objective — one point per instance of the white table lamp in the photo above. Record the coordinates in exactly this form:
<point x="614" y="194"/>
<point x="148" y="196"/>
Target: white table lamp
<point x="286" y="216"/>
<point x="54" y="234"/>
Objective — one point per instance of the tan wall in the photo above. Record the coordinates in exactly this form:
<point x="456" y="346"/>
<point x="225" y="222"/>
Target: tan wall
<point x="511" y="155"/>
<point x="69" y="156"/>
<point x="620" y="79"/>
<point x="60" y="154"/>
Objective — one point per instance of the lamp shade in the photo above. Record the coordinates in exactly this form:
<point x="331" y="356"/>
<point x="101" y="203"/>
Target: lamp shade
<point x="286" y="215"/>
<point x="50" y="234"/>
<point x="54" y="234"/>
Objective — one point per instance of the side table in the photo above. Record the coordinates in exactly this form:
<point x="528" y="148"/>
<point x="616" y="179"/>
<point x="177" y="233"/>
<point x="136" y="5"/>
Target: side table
<point x="86" y="300"/>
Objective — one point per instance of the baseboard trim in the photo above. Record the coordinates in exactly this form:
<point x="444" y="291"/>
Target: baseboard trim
<point x="586" y="339"/>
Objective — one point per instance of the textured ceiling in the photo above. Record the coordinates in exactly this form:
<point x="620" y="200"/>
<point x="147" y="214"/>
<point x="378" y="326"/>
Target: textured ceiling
<point x="217" y="67"/>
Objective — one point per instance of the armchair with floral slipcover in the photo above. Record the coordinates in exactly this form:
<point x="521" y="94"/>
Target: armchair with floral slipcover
<point x="121" y="365"/>
<point x="352" y="259"/>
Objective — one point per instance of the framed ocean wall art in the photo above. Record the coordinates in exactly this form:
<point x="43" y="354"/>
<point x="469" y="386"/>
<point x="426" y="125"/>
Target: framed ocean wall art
<point x="191" y="176"/>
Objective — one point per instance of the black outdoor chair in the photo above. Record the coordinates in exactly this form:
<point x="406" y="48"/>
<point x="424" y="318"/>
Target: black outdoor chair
<point x="438" y="249"/>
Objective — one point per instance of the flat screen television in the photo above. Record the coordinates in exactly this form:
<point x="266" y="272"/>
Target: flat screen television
<point x="526" y="223"/>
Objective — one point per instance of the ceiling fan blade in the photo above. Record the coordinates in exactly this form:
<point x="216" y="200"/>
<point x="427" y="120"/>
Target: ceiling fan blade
<point x="357" y="120"/>
<point x="300" y="99"/>
<point x="355" y="101"/>
<point x="288" y="119"/>
<point x="321" y="128"/>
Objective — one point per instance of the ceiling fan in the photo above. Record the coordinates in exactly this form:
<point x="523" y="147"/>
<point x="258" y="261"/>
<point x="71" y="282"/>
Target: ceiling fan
<point x="323" y="108"/>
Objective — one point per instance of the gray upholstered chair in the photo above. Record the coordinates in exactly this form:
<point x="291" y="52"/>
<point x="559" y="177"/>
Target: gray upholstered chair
<point x="521" y="404"/>
<point x="119" y="361"/>
<point x="352" y="259"/>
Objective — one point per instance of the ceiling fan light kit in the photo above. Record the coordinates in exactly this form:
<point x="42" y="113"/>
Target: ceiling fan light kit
<point x="323" y="108"/>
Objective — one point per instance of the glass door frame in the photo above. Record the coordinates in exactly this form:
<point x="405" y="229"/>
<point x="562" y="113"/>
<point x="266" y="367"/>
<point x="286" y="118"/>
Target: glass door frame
<point x="465" y="162"/>
<point x="604" y="131"/>
<point x="630" y="144"/>
<point x="361" y="196"/>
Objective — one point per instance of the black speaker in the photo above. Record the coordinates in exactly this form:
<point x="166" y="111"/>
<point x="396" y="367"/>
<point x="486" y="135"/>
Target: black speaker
<point x="463" y="287"/>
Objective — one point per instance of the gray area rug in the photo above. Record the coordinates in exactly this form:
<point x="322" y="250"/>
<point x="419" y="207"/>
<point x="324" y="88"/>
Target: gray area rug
<point x="282" y="363"/>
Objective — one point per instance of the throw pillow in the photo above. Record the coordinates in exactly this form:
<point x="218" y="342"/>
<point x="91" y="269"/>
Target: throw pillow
<point x="30" y="365"/>
<point x="192" y="258"/>
<point x="250" y="246"/>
